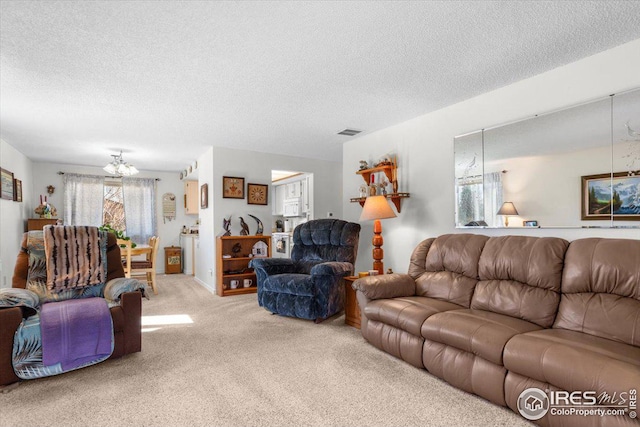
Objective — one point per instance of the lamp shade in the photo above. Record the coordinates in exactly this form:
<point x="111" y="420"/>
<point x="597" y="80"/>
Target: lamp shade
<point x="376" y="207"/>
<point x="508" y="208"/>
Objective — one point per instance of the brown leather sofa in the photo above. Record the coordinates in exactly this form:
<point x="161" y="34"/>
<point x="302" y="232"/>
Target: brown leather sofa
<point x="496" y="316"/>
<point x="126" y="317"/>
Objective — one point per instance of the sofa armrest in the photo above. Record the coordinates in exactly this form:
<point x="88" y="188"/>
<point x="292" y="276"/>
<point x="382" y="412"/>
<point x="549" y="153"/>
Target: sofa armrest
<point x="332" y="268"/>
<point x="131" y="303"/>
<point x="386" y="286"/>
<point x="121" y="285"/>
<point x="10" y="318"/>
<point x="272" y="266"/>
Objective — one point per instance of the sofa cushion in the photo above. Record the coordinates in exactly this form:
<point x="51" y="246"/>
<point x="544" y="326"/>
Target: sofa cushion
<point x="446" y="268"/>
<point x="406" y="313"/>
<point x="520" y="277"/>
<point x="482" y="333"/>
<point x="562" y="358"/>
<point x="293" y="283"/>
<point x="601" y="289"/>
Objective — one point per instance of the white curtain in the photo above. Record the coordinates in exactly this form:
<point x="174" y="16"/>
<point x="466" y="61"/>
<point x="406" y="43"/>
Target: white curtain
<point x="492" y="198"/>
<point x="83" y="199"/>
<point x="139" y="208"/>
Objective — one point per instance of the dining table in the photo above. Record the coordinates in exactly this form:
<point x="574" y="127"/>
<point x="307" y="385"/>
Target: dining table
<point x="141" y="250"/>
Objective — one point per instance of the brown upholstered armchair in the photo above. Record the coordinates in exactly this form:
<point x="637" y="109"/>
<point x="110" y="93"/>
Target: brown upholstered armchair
<point x="126" y="317"/>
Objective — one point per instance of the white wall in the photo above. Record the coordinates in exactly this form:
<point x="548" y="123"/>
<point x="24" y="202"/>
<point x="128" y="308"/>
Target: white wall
<point x="256" y="168"/>
<point x="169" y="232"/>
<point x="13" y="215"/>
<point x="205" y="256"/>
<point x="425" y="150"/>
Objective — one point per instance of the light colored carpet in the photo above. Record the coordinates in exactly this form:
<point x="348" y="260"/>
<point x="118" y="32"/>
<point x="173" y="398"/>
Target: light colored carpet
<point x="238" y="365"/>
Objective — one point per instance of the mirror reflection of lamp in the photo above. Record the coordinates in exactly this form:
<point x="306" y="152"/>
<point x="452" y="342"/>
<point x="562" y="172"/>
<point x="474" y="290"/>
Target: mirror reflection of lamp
<point x="507" y="209"/>
<point x="377" y="208"/>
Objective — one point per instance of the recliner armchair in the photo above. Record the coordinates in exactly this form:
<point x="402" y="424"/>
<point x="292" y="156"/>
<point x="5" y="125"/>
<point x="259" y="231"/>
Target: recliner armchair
<point x="310" y="284"/>
<point x="126" y="315"/>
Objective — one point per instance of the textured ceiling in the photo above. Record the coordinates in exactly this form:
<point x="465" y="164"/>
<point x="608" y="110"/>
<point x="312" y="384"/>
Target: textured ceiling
<point x="163" y="80"/>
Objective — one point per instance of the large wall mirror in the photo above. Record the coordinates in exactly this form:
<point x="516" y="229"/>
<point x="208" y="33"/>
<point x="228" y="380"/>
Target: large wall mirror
<point x="578" y="167"/>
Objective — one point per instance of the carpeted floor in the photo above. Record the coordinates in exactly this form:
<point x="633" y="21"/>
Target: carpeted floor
<point x="238" y="365"/>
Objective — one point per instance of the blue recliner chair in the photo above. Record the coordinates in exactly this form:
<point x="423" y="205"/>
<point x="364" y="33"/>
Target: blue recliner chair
<point x="310" y="285"/>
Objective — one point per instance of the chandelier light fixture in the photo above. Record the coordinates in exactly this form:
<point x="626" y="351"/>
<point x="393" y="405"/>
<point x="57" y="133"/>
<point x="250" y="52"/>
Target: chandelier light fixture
<point x="119" y="167"/>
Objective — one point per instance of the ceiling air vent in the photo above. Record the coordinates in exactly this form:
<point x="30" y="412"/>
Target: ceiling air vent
<point x="349" y="132"/>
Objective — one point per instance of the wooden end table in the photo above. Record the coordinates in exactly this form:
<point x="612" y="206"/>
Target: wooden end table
<point x="351" y="308"/>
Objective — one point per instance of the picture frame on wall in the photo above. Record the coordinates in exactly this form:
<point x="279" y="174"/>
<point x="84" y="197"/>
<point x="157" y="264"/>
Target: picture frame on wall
<point x="6" y="184"/>
<point x="17" y="190"/>
<point x="604" y="193"/>
<point x="232" y="187"/>
<point x="257" y="194"/>
<point x="204" y="196"/>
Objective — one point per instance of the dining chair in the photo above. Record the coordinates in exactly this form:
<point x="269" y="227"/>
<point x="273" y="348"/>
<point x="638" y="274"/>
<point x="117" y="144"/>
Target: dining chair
<point x="125" y="253"/>
<point x="147" y="268"/>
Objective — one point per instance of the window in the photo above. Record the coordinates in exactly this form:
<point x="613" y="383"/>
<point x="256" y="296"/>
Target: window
<point x="127" y="205"/>
<point x="113" y="211"/>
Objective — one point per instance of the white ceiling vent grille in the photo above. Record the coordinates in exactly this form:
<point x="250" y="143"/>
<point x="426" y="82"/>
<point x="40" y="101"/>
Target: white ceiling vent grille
<point x="349" y="132"/>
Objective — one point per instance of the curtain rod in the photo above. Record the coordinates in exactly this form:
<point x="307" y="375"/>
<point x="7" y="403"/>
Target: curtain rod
<point x="106" y="176"/>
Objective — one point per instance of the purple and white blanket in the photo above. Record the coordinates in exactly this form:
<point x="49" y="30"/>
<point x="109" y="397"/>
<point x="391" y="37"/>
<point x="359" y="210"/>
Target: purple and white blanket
<point x="76" y="332"/>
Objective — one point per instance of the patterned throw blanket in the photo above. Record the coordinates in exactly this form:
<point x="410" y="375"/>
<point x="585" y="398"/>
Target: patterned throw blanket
<point x="75" y="256"/>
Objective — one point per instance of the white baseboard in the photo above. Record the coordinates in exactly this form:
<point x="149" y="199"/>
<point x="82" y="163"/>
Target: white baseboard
<point x="204" y="285"/>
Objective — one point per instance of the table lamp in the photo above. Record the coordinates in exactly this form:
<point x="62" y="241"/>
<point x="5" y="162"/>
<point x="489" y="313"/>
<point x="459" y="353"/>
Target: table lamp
<point x="507" y="209"/>
<point x="377" y="208"/>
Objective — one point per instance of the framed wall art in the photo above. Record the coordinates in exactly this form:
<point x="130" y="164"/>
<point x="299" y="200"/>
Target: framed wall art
<point x="204" y="196"/>
<point x="603" y="194"/>
<point x="257" y="194"/>
<point x="232" y="187"/>
<point x="17" y="190"/>
<point x="6" y="184"/>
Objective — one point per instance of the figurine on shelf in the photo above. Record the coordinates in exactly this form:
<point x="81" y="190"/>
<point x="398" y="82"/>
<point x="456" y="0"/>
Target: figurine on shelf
<point x="372" y="187"/>
<point x="383" y="162"/>
<point x="260" y="226"/>
<point x="363" y="191"/>
<point x="389" y="271"/>
<point x="363" y="165"/>
<point x="382" y="187"/>
<point x="226" y="224"/>
<point x="245" y="227"/>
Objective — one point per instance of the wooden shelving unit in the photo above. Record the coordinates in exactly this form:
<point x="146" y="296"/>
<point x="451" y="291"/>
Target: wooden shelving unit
<point x="390" y="172"/>
<point x="236" y="267"/>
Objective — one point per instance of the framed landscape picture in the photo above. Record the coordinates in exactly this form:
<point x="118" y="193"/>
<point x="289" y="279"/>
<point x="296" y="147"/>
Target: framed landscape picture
<point x="17" y="190"/>
<point x="6" y="184"/>
<point x="232" y="187"/>
<point x="601" y="195"/>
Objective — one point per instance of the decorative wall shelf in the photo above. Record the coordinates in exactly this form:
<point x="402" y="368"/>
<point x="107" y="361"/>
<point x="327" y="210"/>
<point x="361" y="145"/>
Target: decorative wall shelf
<point x="387" y="169"/>
<point x="390" y="171"/>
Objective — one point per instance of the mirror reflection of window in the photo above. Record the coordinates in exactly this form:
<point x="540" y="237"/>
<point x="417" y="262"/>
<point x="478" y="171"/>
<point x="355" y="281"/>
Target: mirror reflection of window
<point x="547" y="157"/>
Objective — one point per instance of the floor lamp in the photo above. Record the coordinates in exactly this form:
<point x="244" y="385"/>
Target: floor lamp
<point x="377" y="208"/>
